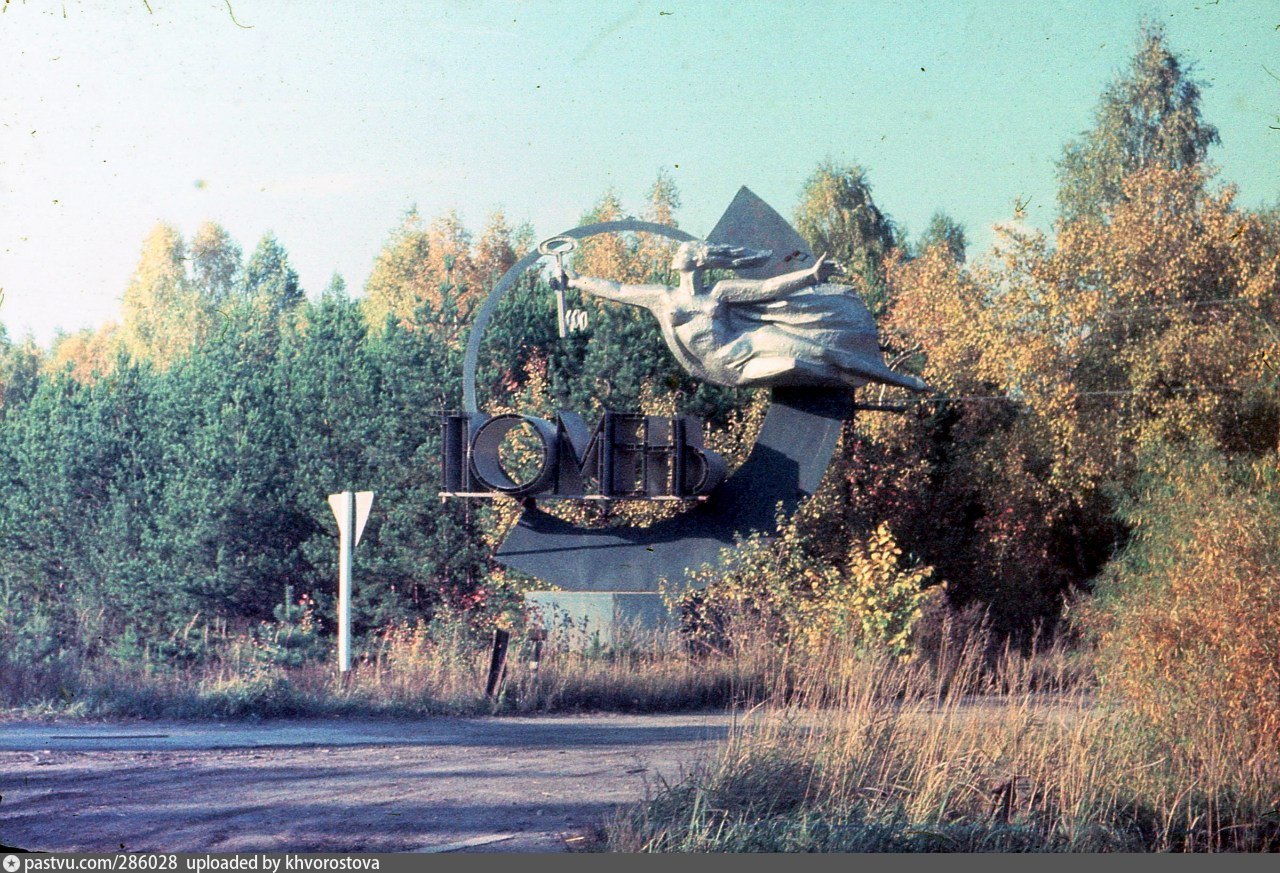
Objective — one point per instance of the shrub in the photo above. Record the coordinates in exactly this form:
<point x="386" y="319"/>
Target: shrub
<point x="1187" y="619"/>
<point x="783" y="589"/>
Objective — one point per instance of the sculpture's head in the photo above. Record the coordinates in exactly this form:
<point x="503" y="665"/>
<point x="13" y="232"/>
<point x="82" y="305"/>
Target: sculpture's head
<point x="711" y="256"/>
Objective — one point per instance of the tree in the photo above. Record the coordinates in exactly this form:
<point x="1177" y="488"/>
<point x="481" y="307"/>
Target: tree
<point x="609" y="255"/>
<point x="1152" y="329"/>
<point x="87" y="353"/>
<point x="944" y="231"/>
<point x="163" y="315"/>
<point x="1187" y="618"/>
<point x="20" y="365"/>
<point x="230" y="518"/>
<point x="495" y="253"/>
<point x="838" y="216"/>
<point x="215" y="263"/>
<point x="654" y="252"/>
<point x="449" y="256"/>
<point x="401" y="276"/>
<point x="1149" y="115"/>
<point x="336" y="289"/>
<point x="268" y="278"/>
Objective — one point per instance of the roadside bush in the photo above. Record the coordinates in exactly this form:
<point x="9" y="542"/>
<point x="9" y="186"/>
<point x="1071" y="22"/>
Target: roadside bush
<point x="293" y="639"/>
<point x="782" y="589"/>
<point x="1187" y="619"/>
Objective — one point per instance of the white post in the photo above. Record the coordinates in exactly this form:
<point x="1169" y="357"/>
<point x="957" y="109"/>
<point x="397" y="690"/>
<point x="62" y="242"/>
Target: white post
<point x="351" y="511"/>
<point x="346" y="534"/>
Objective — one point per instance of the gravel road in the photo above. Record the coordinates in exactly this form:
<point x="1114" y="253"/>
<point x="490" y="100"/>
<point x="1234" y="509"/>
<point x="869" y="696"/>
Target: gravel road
<point x="500" y="784"/>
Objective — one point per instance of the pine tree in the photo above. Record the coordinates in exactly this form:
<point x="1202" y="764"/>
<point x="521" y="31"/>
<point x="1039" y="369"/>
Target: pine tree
<point x="20" y="366"/>
<point x="268" y="278"/>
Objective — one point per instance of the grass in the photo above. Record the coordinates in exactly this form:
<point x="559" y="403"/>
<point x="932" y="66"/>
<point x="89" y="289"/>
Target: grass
<point x="836" y="751"/>
<point x="878" y="755"/>
<point x="421" y="669"/>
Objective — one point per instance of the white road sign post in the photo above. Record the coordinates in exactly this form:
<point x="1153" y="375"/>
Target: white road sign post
<point x="352" y="511"/>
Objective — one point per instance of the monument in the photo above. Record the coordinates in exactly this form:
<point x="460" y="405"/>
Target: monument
<point x="779" y="323"/>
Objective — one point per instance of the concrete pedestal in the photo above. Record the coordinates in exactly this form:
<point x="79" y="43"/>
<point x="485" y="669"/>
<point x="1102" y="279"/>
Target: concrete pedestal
<point x="581" y="619"/>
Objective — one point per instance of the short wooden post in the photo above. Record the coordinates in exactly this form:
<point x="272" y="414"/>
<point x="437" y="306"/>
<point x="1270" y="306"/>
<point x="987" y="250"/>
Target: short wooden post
<point x="499" y="659"/>
<point x="537" y="636"/>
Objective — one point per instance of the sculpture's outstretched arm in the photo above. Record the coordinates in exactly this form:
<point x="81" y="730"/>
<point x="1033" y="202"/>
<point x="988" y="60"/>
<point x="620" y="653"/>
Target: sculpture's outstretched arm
<point x="761" y="290"/>
<point x="634" y="295"/>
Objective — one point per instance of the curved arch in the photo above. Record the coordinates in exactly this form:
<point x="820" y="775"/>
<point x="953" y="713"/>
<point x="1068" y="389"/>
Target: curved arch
<point x="517" y="270"/>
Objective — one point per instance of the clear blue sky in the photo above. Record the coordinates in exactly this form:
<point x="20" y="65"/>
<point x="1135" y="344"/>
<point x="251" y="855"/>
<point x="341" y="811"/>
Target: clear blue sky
<point x="324" y="121"/>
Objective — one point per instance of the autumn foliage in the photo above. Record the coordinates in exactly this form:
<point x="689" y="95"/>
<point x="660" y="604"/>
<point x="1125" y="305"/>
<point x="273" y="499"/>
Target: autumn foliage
<point x="1058" y="365"/>
<point x="1188" y="621"/>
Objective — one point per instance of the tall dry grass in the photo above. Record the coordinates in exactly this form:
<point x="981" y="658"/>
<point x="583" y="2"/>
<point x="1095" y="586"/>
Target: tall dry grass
<point x="878" y="754"/>
<point x="424" y="668"/>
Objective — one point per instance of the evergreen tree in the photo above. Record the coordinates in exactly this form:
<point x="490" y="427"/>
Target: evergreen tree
<point x="228" y="498"/>
<point x="268" y="278"/>
<point x="1148" y="115"/>
<point x="20" y="365"/>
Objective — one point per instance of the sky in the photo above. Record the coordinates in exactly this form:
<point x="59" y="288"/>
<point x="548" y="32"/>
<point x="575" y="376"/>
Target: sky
<point x="324" y="122"/>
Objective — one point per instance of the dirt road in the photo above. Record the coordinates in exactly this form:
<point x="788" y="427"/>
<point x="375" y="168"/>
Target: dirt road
<point x="335" y="786"/>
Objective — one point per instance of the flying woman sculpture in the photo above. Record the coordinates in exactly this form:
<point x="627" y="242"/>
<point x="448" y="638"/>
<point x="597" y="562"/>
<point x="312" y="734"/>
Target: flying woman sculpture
<point x="793" y="329"/>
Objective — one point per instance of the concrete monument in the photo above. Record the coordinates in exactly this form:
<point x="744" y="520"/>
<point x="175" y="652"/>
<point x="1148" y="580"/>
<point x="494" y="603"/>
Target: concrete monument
<point x="778" y="323"/>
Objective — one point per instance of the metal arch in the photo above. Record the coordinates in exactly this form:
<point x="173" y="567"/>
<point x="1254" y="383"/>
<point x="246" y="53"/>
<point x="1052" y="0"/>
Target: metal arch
<point x="517" y="270"/>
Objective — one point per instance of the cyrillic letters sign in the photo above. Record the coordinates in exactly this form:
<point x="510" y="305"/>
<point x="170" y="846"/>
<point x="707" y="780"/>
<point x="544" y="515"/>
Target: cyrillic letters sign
<point x="626" y="457"/>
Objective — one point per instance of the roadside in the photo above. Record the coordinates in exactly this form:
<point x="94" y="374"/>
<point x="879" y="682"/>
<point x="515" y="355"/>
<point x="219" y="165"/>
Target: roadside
<point x="334" y="785"/>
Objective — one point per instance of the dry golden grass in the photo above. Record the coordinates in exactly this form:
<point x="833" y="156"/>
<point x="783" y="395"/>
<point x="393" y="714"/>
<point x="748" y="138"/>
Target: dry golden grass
<point x="875" y="754"/>
<point x="416" y="669"/>
<point x="837" y="750"/>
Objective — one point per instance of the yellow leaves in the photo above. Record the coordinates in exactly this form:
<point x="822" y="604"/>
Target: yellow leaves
<point x="425" y="262"/>
<point x="1126" y="333"/>
<point x="88" y="353"/>
<point x="1190" y="620"/>
<point x="872" y="601"/>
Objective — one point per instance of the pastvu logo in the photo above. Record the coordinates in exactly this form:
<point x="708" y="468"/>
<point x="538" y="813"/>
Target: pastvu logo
<point x="11" y="864"/>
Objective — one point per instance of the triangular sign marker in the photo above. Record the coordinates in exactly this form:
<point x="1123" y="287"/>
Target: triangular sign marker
<point x="338" y="503"/>
<point x="351" y="511"/>
<point x="364" y="500"/>
<point x="751" y="222"/>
